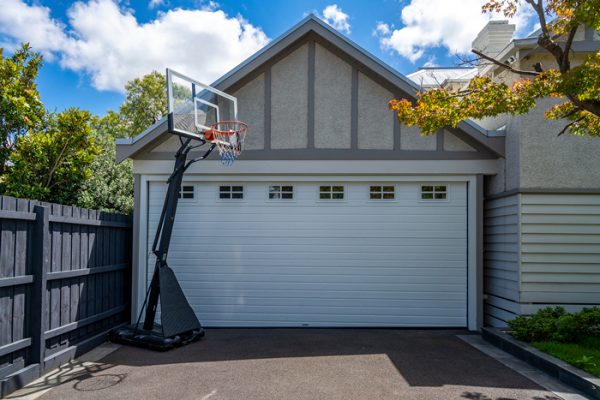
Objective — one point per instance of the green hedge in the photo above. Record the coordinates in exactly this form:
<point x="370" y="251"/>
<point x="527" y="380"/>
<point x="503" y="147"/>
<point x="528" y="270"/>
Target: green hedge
<point x="555" y="324"/>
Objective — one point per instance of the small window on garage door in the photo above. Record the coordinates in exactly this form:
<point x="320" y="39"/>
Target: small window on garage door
<point x="382" y="192"/>
<point x="186" y="192"/>
<point x="434" y="192"/>
<point x="335" y="192"/>
<point x="231" y="192"/>
<point x="281" y="192"/>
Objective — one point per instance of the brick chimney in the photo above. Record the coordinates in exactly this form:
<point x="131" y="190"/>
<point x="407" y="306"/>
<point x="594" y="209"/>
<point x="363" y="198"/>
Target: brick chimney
<point x="494" y="37"/>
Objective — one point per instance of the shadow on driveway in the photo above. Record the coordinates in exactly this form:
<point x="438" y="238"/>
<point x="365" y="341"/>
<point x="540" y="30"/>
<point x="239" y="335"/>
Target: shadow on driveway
<point x="309" y="364"/>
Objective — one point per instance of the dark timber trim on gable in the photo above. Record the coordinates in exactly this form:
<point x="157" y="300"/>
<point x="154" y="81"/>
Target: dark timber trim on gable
<point x="311" y="96"/>
<point x="314" y="32"/>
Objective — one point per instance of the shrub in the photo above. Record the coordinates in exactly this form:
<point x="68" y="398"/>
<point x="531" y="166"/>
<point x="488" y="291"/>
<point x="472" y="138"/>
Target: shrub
<point x="537" y="327"/>
<point x="554" y="324"/>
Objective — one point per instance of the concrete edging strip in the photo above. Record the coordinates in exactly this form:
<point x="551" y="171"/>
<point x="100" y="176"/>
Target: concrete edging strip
<point x="554" y="367"/>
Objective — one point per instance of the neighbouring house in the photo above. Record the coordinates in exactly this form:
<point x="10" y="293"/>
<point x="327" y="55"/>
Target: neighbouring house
<point x="337" y="215"/>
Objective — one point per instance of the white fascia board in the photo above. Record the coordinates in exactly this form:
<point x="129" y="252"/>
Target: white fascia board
<point x="320" y="168"/>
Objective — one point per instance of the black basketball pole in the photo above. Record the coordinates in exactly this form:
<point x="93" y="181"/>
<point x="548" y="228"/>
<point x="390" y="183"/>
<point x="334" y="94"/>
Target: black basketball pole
<point x="162" y="239"/>
<point x="179" y="324"/>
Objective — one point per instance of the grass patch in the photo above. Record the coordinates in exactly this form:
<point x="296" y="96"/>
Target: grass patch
<point x="584" y="354"/>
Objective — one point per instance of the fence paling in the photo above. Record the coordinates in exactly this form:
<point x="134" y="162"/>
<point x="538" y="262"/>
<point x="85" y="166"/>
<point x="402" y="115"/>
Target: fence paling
<point x="64" y="282"/>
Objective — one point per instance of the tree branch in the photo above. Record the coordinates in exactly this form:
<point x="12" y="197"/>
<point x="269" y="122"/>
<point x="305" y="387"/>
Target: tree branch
<point x="566" y="64"/>
<point x="56" y="163"/>
<point x="563" y="130"/>
<point x="503" y="65"/>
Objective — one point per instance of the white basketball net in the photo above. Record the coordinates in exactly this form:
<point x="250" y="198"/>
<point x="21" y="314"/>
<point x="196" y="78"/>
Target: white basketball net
<point x="229" y="138"/>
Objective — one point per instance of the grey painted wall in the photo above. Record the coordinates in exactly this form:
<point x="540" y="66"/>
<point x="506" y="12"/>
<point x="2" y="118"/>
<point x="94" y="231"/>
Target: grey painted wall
<point x="333" y="91"/>
<point x="452" y="143"/>
<point x="375" y="121"/>
<point x="536" y="157"/>
<point x="289" y="101"/>
<point x="552" y="161"/>
<point x="411" y="139"/>
<point x="251" y="106"/>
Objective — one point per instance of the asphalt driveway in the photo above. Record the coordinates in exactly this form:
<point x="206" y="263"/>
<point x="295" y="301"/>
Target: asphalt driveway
<point x="305" y="364"/>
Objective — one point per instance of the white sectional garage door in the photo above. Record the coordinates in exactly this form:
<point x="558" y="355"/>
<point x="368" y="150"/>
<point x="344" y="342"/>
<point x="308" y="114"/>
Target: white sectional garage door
<point x="308" y="261"/>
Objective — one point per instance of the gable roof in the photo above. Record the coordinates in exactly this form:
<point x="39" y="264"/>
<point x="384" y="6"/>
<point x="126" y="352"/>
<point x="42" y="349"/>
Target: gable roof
<point x="312" y="25"/>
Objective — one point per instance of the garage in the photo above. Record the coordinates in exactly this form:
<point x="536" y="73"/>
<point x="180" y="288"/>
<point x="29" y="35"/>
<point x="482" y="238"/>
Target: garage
<point x="304" y="253"/>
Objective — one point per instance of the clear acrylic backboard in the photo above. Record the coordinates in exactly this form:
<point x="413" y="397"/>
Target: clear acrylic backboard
<point x="194" y="107"/>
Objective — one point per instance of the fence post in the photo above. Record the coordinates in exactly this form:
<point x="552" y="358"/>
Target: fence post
<point x="39" y="300"/>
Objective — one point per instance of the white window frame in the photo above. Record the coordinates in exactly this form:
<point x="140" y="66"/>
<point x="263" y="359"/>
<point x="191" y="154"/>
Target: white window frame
<point x="231" y="192"/>
<point x="278" y="190"/>
<point x="381" y="192"/>
<point x="331" y="192"/>
<point x="183" y="192"/>
<point x="434" y="192"/>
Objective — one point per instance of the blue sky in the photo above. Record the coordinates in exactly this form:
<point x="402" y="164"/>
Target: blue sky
<point x="93" y="47"/>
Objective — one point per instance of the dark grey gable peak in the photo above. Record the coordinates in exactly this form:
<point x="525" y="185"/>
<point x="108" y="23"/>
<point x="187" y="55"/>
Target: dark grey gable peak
<point x="312" y="25"/>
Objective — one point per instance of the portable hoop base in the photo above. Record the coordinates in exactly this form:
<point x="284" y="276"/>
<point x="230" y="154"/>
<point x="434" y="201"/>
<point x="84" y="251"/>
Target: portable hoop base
<point x="133" y="335"/>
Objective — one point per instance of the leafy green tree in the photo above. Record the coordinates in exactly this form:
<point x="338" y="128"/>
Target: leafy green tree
<point x="110" y="186"/>
<point x="579" y="86"/>
<point x="145" y="103"/>
<point x="51" y="164"/>
<point x="20" y="106"/>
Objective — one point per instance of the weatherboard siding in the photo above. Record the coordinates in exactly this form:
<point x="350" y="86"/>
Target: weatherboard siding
<point x="560" y="249"/>
<point x="501" y="260"/>
<point x="541" y="250"/>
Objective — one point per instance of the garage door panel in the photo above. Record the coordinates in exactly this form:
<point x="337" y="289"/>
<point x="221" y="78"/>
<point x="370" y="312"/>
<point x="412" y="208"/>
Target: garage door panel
<point x="340" y="239"/>
<point x="204" y="211"/>
<point x="241" y="294"/>
<point x="418" y="231"/>
<point x="323" y="278"/>
<point x="348" y="248"/>
<point x="267" y="271"/>
<point x="333" y="255"/>
<point x="328" y="320"/>
<point x="356" y="262"/>
<point x="311" y="286"/>
<point x="205" y="301"/>
<point x="324" y="225"/>
<point x="306" y="311"/>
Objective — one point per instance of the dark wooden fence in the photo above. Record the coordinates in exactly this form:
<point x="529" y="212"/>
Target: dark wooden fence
<point x="64" y="283"/>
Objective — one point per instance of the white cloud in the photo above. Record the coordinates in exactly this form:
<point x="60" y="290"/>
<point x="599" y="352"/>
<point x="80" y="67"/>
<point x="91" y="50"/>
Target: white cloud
<point x="382" y="29"/>
<point x="334" y="16"/>
<point x="22" y="23"/>
<point x="431" y="62"/>
<point x="108" y="44"/>
<point x="434" y="23"/>
<point x="155" y="3"/>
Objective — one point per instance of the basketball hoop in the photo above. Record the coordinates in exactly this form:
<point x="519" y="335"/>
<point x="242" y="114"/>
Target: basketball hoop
<point x="229" y="138"/>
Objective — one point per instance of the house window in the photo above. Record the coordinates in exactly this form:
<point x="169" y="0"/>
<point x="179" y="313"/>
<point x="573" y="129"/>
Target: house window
<point x="382" y="192"/>
<point x="231" y="192"/>
<point x="434" y="192"/>
<point x="331" y="192"/>
<point x="186" y="192"/>
<point x="281" y="192"/>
